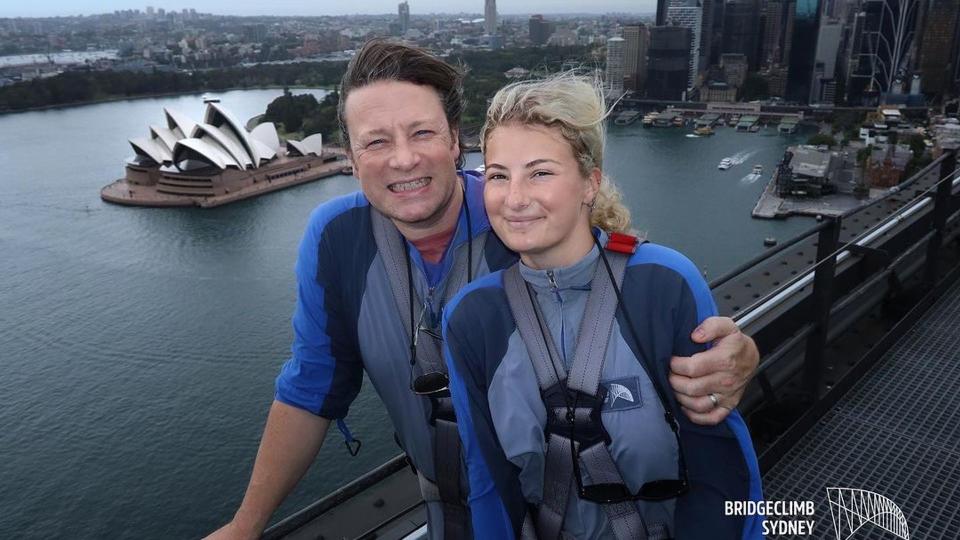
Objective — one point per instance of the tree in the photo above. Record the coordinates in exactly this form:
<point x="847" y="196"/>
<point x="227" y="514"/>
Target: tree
<point x="755" y="87"/>
<point x="822" y="138"/>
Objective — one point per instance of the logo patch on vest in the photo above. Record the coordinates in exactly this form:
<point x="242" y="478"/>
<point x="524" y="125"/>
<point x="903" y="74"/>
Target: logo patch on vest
<point x="622" y="394"/>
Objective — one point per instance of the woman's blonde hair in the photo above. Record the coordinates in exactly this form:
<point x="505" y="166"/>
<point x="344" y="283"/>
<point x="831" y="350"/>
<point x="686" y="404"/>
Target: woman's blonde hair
<point x="575" y="106"/>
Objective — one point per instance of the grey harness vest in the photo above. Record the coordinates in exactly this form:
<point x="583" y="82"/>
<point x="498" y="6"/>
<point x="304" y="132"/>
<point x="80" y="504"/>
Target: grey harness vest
<point x="583" y="381"/>
<point x="448" y="487"/>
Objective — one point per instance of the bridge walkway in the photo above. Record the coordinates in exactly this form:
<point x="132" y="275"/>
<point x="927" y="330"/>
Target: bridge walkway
<point x="895" y="433"/>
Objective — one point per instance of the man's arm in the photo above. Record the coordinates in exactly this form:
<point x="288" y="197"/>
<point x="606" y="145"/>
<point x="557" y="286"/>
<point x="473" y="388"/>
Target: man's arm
<point x="723" y="370"/>
<point x="291" y="440"/>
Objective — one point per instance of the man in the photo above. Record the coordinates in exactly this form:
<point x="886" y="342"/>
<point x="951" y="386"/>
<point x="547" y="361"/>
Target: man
<point x="374" y="271"/>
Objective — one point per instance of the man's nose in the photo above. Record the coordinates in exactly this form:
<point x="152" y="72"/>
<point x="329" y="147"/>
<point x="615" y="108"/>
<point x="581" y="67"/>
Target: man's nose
<point x="404" y="156"/>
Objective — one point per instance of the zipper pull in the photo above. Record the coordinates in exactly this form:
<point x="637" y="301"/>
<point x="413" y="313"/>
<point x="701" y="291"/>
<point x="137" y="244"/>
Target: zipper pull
<point x="553" y="280"/>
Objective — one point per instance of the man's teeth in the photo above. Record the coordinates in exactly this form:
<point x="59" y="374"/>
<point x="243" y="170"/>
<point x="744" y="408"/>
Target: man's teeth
<point x="411" y="185"/>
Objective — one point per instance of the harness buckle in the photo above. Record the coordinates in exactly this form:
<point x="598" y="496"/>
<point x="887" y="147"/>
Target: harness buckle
<point x="575" y="415"/>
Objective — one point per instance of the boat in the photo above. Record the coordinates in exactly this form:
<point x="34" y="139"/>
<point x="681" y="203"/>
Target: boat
<point x="769" y="241"/>
<point x="626" y="118"/>
<point x="703" y="131"/>
<point x="754" y="128"/>
<point x="734" y="120"/>
<point x="757" y="169"/>
<point x="678" y="121"/>
<point x="725" y="164"/>
<point x="649" y="118"/>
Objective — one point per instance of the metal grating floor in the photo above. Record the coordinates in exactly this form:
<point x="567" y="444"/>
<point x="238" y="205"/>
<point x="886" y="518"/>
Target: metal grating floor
<point x="896" y="433"/>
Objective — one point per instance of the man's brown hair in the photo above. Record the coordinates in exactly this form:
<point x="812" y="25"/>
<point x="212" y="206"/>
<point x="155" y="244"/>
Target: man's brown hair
<point x="381" y="60"/>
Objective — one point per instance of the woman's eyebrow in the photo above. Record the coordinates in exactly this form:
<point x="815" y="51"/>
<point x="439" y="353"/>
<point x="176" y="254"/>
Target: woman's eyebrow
<point x="541" y="161"/>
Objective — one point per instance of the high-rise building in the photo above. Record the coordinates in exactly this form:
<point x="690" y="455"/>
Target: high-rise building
<point x="706" y="30"/>
<point x="490" y="17"/>
<point x="741" y="29"/>
<point x="689" y="14"/>
<point x="540" y="29"/>
<point x="403" y="9"/>
<point x="637" y="40"/>
<point x="882" y="41"/>
<point x="668" y="62"/>
<point x="662" y="7"/>
<point x="803" y="50"/>
<point x="825" y="62"/>
<point x="776" y="31"/>
<point x="615" y="57"/>
<point x="939" y="46"/>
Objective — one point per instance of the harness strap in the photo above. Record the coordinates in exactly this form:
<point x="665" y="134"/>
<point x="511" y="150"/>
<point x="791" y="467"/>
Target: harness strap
<point x="544" y="356"/>
<point x="594" y="335"/>
<point x="446" y="447"/>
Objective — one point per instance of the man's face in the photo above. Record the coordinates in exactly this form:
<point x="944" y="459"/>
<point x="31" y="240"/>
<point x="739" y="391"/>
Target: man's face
<point x="403" y="150"/>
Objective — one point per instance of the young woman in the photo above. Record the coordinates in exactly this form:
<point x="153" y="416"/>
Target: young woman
<point x="558" y="365"/>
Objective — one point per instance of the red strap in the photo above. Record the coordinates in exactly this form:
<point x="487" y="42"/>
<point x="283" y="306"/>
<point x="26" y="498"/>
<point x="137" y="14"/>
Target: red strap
<point x="622" y="243"/>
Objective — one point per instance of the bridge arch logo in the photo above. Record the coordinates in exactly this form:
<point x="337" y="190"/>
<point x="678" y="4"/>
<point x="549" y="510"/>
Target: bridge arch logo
<point x="851" y="509"/>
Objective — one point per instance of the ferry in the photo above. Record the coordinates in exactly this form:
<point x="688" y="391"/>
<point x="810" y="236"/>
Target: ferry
<point x="757" y="169"/>
<point x="649" y="118"/>
<point x="725" y="164"/>
<point x="678" y="121"/>
<point x="703" y="131"/>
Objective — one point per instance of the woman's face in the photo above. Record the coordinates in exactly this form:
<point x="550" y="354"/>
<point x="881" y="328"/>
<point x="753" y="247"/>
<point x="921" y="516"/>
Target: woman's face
<point x="536" y="196"/>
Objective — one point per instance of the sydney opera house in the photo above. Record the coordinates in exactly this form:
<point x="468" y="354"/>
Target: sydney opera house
<point x="216" y="161"/>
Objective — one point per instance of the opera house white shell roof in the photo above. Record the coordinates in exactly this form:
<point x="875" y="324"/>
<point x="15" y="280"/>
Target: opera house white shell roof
<point x="218" y="141"/>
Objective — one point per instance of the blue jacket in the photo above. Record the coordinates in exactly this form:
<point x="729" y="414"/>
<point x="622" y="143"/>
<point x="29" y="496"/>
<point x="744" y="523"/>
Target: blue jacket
<point x="501" y="416"/>
<point x="347" y="320"/>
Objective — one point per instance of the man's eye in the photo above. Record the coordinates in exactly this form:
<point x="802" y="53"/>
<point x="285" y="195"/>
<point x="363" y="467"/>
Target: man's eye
<point x="374" y="143"/>
<point x="423" y="133"/>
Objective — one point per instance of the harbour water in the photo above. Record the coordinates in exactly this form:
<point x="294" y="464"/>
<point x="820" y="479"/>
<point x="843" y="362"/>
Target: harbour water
<point x="138" y="347"/>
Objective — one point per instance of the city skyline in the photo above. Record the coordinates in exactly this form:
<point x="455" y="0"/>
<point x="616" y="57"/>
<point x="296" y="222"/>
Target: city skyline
<point x="287" y="8"/>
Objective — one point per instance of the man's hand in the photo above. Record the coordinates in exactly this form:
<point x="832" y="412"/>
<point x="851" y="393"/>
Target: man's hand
<point x="233" y="531"/>
<point x="722" y="371"/>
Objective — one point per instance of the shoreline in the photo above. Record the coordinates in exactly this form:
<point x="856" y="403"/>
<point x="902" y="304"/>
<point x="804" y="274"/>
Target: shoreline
<point x="160" y="95"/>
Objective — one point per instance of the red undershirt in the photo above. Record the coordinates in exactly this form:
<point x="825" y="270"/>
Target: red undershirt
<point x="432" y="247"/>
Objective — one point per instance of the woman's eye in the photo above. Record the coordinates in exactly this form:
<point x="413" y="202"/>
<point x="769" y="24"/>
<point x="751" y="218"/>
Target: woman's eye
<point x="542" y="173"/>
<point x="496" y="176"/>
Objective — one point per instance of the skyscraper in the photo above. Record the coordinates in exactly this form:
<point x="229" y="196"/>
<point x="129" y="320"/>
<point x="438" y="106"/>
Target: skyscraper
<point x="688" y="14"/>
<point x="662" y="6"/>
<point x="490" y="17"/>
<point x="403" y="9"/>
<point x="668" y="62"/>
<point x="777" y="32"/>
<point x="938" y="48"/>
<point x="803" y="50"/>
<point x="540" y="29"/>
<point x="615" y="57"/>
<point x="741" y="30"/>
<point x="636" y="39"/>
<point x="825" y="62"/>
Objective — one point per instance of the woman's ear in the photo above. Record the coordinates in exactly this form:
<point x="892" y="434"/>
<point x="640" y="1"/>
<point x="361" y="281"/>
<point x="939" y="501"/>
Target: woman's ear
<point x="593" y="185"/>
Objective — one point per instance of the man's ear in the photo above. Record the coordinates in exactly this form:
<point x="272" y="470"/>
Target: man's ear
<point x="455" y="139"/>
